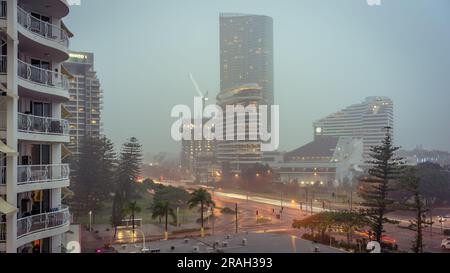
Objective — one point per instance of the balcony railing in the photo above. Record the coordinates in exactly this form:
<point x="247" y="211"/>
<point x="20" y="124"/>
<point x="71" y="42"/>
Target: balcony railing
<point x="42" y="28"/>
<point x="2" y="232"/>
<point x="2" y="120"/>
<point x="41" y="222"/>
<point x="42" y="76"/>
<point x="34" y="174"/>
<point x="3" y="175"/>
<point x="43" y="125"/>
<point x="3" y="67"/>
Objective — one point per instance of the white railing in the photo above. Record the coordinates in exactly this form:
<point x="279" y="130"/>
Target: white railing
<point x="41" y="222"/>
<point x="42" y="28"/>
<point x="42" y="76"/>
<point x="43" y="125"/>
<point x="33" y="174"/>
<point x="2" y="120"/>
<point x="3" y="175"/>
<point x="3" y="64"/>
<point x="2" y="232"/>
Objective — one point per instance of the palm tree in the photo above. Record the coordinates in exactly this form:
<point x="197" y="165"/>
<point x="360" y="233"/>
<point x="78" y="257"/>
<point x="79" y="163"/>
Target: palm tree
<point x="131" y="209"/>
<point x="203" y="198"/>
<point x="163" y="209"/>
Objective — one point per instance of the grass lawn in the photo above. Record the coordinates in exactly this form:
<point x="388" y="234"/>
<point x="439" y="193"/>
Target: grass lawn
<point x="144" y="201"/>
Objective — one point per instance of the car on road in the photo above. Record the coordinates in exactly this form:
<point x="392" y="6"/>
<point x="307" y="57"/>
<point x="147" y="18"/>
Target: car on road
<point x="445" y="244"/>
<point x="386" y="241"/>
<point x="106" y="249"/>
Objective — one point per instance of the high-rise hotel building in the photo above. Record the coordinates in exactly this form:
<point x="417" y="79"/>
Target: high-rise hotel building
<point x="246" y="78"/>
<point x="34" y="86"/>
<point x="367" y="120"/>
<point x="86" y="99"/>
<point x="246" y="52"/>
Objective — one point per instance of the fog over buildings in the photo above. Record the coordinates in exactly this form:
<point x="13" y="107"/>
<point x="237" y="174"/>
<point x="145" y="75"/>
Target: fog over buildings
<point x="327" y="55"/>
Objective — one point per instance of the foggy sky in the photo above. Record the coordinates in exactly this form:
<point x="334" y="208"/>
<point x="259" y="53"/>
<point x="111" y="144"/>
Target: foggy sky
<point x="328" y="54"/>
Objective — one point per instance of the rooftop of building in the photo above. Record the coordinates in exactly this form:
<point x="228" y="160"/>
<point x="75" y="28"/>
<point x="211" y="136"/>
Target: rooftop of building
<point x="255" y="243"/>
<point x="236" y="14"/>
<point x="322" y="146"/>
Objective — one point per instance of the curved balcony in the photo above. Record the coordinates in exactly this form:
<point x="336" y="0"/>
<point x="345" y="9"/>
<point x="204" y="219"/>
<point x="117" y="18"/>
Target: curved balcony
<point x="56" y="8"/>
<point x="43" y="225"/>
<point x="41" y="28"/>
<point x="38" y="177"/>
<point x="36" y="128"/>
<point x="42" y="77"/>
<point x="43" y="125"/>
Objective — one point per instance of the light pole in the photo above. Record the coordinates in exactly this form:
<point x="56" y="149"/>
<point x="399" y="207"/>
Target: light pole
<point x="281" y="199"/>
<point x="351" y="199"/>
<point x="247" y="189"/>
<point x="144" y="249"/>
<point x="212" y="215"/>
<point x="90" y="221"/>
<point x="178" y="217"/>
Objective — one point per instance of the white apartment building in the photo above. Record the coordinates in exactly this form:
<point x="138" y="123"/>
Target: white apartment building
<point x="34" y="86"/>
<point x="366" y="120"/>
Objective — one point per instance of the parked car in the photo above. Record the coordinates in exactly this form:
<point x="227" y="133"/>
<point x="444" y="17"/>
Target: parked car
<point x="445" y="244"/>
<point x="106" y="249"/>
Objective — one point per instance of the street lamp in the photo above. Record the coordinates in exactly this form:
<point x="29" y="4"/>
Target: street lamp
<point x="144" y="249"/>
<point x="90" y="221"/>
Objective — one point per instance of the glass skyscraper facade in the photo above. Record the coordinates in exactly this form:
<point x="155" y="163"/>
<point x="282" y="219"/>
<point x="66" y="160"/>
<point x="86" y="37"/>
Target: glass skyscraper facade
<point x="246" y="52"/>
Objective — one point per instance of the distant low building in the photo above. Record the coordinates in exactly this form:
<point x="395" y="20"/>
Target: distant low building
<point x="325" y="161"/>
<point x="272" y="158"/>
<point x="419" y="155"/>
<point x="198" y="156"/>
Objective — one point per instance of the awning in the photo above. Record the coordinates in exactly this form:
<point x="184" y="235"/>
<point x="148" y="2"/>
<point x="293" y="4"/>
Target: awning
<point x="64" y="27"/>
<point x="64" y="112"/>
<point x="6" y="208"/>
<point x="67" y="193"/>
<point x="66" y="72"/>
<point x="8" y="92"/>
<point x="65" y="152"/>
<point x="7" y="150"/>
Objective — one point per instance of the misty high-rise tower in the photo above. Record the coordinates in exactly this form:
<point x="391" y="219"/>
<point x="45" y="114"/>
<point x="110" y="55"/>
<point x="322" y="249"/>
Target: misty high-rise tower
<point x="246" y="52"/>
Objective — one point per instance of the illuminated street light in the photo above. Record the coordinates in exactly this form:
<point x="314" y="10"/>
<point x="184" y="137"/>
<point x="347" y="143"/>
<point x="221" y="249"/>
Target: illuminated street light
<point x="90" y="221"/>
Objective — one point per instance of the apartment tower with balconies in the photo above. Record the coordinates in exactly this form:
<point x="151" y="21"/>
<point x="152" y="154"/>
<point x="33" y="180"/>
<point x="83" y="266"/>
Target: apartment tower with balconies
<point x="86" y="99"/>
<point x="34" y="85"/>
